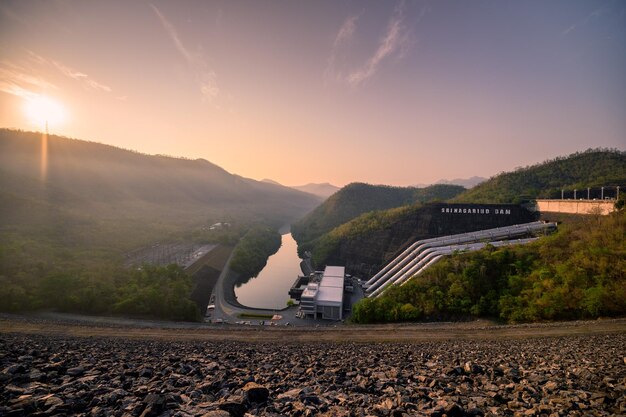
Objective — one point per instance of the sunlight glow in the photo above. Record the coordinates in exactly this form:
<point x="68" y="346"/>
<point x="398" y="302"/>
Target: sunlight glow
<point x="42" y="110"/>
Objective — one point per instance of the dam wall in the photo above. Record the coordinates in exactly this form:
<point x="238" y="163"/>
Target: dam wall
<point x="602" y="207"/>
<point x="364" y="255"/>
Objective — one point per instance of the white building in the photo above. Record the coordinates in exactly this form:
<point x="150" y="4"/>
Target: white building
<point x="325" y="299"/>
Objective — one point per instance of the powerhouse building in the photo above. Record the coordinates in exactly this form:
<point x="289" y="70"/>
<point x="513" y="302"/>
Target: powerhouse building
<point x="324" y="299"/>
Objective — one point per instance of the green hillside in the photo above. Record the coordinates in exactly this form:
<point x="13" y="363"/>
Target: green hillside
<point x="98" y="202"/>
<point x="356" y="199"/>
<point x="592" y="168"/>
<point x="577" y="273"/>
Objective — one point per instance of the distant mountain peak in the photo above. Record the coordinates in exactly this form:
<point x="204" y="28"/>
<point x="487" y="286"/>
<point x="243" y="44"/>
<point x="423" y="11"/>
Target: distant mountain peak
<point x="465" y="182"/>
<point x="323" y="190"/>
<point x="269" y="181"/>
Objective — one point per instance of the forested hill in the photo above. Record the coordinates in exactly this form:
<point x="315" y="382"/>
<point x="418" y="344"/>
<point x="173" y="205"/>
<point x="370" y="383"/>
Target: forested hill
<point x="358" y="198"/>
<point x="592" y="168"/>
<point x="108" y="181"/>
<point x="64" y="237"/>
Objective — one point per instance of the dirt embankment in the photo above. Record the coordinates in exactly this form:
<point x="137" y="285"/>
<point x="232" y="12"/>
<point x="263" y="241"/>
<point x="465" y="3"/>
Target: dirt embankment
<point x="421" y="332"/>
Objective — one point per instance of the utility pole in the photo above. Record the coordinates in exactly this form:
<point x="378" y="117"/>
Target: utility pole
<point x="602" y="194"/>
<point x="575" y="194"/>
<point x="562" y="193"/>
<point x="588" y="194"/>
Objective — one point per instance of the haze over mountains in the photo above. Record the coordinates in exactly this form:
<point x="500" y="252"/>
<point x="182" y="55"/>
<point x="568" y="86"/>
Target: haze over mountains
<point x="323" y="190"/>
<point x="464" y="182"/>
<point x="89" y="183"/>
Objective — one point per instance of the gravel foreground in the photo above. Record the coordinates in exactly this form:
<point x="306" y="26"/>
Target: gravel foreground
<point x="45" y="375"/>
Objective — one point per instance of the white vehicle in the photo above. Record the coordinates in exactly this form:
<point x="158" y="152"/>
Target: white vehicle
<point x="209" y="310"/>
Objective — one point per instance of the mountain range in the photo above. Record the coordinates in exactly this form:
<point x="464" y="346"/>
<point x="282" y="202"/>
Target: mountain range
<point x="361" y="225"/>
<point x="93" y="185"/>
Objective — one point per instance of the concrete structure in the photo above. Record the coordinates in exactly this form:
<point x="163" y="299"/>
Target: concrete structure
<point x="423" y="253"/>
<point x="602" y="207"/>
<point x="298" y="287"/>
<point x="324" y="299"/>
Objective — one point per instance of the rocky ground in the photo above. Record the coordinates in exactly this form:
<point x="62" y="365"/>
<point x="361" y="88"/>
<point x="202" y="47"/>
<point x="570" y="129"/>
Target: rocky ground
<point x="42" y="375"/>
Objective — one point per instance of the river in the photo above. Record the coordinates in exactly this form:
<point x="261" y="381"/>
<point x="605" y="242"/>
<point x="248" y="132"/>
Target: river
<point x="270" y="289"/>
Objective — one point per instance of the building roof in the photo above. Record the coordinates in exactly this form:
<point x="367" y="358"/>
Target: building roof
<point x="331" y="286"/>
<point x="335" y="271"/>
<point x="330" y="296"/>
<point x="332" y="282"/>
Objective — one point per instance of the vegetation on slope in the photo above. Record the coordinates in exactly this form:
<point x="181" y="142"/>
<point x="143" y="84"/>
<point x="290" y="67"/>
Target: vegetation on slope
<point x="161" y="292"/>
<point x="97" y="203"/>
<point x="358" y="198"/>
<point x="251" y="254"/>
<point x="326" y="246"/>
<point x="579" y="272"/>
<point x="592" y="168"/>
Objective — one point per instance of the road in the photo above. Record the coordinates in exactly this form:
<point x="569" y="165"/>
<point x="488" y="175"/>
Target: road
<point x="230" y="312"/>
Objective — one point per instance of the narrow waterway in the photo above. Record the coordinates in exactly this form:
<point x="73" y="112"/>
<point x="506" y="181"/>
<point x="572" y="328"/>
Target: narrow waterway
<point x="270" y="289"/>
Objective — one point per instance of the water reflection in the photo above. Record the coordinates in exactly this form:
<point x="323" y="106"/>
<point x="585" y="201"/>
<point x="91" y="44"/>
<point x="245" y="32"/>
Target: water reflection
<point x="270" y="288"/>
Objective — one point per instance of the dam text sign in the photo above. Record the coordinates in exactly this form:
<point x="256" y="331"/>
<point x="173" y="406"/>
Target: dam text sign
<point x="473" y="210"/>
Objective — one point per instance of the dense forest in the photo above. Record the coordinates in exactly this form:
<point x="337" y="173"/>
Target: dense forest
<point x="593" y="168"/>
<point x="97" y="203"/>
<point x="251" y="254"/>
<point x="325" y="247"/>
<point x="358" y="198"/>
<point x="73" y="286"/>
<point x="579" y="272"/>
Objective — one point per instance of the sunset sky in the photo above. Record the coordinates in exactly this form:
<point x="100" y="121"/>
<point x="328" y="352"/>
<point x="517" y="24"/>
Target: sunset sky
<point x="324" y="91"/>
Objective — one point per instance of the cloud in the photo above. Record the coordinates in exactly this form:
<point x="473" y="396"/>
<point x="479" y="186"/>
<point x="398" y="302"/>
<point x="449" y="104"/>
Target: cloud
<point x="391" y="43"/>
<point x="346" y="32"/>
<point x="20" y="82"/>
<point x="205" y="77"/>
<point x="81" y="77"/>
<point x="76" y="75"/>
<point x="395" y="42"/>
<point x="343" y="38"/>
<point x="23" y="78"/>
<point x="591" y="16"/>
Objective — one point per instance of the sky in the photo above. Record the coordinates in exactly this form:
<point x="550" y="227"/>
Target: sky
<point x="393" y="92"/>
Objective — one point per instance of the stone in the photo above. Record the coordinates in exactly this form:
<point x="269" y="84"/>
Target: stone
<point x="76" y="371"/>
<point x="255" y="393"/>
<point x="216" y="413"/>
<point x="235" y="406"/>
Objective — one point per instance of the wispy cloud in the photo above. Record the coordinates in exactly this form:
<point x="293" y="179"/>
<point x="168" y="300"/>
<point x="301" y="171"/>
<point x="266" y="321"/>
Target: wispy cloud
<point x="591" y="16"/>
<point x="29" y="77"/>
<point x="21" y="82"/>
<point x="81" y="77"/>
<point x="346" y="32"/>
<point x="196" y="60"/>
<point x="391" y="43"/>
<point x="394" y="43"/>
<point x="343" y="38"/>
<point x="87" y="81"/>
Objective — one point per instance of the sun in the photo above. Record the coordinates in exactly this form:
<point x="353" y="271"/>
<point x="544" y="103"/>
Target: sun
<point x="42" y="110"/>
